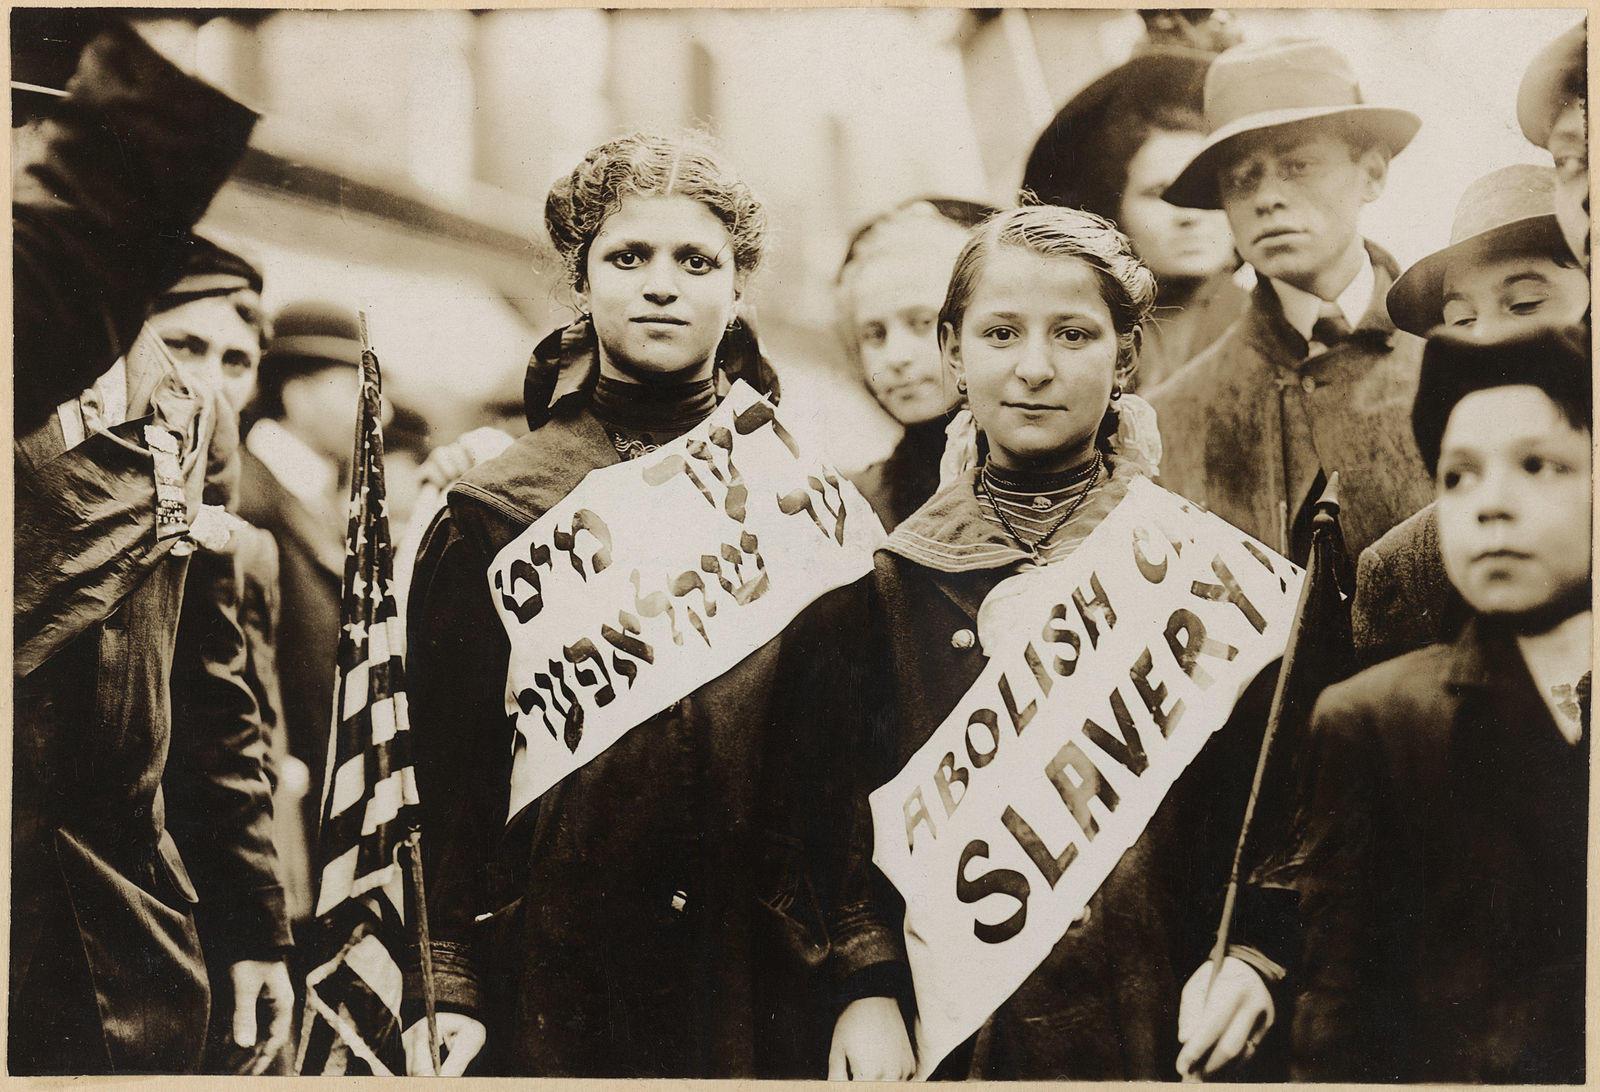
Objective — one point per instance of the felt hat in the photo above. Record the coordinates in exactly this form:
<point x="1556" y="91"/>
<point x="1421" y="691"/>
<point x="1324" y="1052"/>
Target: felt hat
<point x="1281" y="82"/>
<point x="1554" y="81"/>
<point x="307" y="337"/>
<point x="1509" y="211"/>
<point x="311" y="335"/>
<point x="1554" y="359"/>
<point x="1059" y="165"/>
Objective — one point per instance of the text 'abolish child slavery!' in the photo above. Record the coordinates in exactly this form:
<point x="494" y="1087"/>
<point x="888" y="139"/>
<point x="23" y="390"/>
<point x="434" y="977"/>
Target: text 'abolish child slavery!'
<point x="1074" y="775"/>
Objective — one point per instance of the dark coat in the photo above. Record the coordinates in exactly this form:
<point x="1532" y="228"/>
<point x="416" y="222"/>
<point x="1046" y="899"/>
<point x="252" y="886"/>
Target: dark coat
<point x="219" y="778"/>
<point x="1247" y="424"/>
<point x="902" y="483"/>
<point x="560" y="930"/>
<point x="1404" y="601"/>
<point x="106" y="973"/>
<point x="310" y="568"/>
<point x="1444" y="890"/>
<point x="1176" y="335"/>
<point x="1104" y="1004"/>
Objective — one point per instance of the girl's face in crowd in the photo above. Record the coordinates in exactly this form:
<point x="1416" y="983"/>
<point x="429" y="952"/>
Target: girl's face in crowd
<point x="1173" y="241"/>
<point x="661" y="285"/>
<point x="894" y="304"/>
<point x="1039" y="352"/>
<point x="1514" y="501"/>
<point x="1493" y="297"/>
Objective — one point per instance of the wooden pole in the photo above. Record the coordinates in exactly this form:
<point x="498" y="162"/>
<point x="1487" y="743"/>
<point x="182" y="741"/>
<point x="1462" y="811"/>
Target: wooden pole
<point x="1327" y="506"/>
<point x="429" y="997"/>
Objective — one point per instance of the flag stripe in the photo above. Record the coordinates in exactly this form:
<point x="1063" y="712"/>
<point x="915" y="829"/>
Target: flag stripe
<point x="360" y="939"/>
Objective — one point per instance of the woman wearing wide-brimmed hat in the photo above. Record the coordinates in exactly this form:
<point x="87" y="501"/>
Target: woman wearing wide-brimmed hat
<point x="1507" y="269"/>
<point x="1113" y="149"/>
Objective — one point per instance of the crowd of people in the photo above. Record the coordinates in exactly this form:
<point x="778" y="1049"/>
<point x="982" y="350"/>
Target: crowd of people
<point x="1180" y="294"/>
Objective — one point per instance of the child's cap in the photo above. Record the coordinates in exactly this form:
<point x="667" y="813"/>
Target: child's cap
<point x="1554" y="359"/>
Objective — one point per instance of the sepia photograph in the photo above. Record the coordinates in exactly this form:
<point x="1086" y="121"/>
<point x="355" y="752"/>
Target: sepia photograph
<point x="851" y="544"/>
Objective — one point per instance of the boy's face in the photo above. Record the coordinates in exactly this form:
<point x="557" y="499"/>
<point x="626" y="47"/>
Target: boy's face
<point x="1514" y="501"/>
<point x="1294" y="196"/>
<point x="1496" y="296"/>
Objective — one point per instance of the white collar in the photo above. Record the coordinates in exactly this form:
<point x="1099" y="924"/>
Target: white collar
<point x="112" y="389"/>
<point x="309" y="477"/>
<point x="1301" y="308"/>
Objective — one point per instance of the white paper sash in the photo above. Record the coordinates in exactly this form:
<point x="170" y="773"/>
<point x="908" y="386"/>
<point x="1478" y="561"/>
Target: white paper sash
<point x="657" y="575"/>
<point x="1007" y="820"/>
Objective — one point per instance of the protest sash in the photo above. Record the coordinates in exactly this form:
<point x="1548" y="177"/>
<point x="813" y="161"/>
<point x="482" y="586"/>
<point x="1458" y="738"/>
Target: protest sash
<point x="1003" y="825"/>
<point x="657" y="575"/>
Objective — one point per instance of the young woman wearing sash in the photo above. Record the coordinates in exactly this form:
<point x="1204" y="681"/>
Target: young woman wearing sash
<point x="645" y="916"/>
<point x="1041" y="326"/>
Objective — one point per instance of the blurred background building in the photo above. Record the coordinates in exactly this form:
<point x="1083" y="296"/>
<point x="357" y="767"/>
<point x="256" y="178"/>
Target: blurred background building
<point x="403" y="159"/>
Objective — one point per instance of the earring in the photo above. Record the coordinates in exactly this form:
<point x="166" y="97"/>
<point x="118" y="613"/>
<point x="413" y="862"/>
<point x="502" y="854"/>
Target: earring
<point x="1116" y="392"/>
<point x="961" y="384"/>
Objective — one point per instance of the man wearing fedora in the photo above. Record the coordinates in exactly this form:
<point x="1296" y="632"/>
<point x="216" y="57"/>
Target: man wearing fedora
<point x="1313" y="378"/>
<point x="293" y="483"/>
<point x="1508" y="268"/>
<point x="118" y="153"/>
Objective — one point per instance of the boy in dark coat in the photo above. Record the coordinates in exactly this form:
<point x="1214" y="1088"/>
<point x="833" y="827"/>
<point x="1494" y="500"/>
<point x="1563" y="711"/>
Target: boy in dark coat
<point x="1313" y="378"/>
<point x="1403" y="600"/>
<point x="1443" y="897"/>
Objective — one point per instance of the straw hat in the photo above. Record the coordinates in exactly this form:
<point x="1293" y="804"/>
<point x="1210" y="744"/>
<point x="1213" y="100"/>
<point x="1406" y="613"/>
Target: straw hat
<point x="1254" y="87"/>
<point x="1548" y="86"/>
<point x="1509" y="211"/>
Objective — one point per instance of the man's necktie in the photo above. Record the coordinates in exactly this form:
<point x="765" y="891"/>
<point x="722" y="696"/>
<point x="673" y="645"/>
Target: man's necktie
<point x="1330" y="328"/>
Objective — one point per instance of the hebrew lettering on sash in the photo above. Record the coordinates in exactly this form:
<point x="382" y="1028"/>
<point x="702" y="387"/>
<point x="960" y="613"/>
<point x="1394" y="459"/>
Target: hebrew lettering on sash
<point x="735" y="493"/>
<point x="562" y="705"/>
<point x="523" y="571"/>
<point x="680" y="587"/>
<point x="664" y="471"/>
<point x="626" y="640"/>
<point x="801" y="501"/>
<point x="743" y="590"/>
<point x="581" y="651"/>
<point x="655" y="605"/>
<point x="762" y="414"/>
<point x="585" y="521"/>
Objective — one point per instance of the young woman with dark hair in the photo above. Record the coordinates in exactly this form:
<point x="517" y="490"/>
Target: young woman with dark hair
<point x="645" y="915"/>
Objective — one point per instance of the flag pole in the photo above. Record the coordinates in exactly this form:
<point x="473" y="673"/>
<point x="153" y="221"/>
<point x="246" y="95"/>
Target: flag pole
<point x="413" y="855"/>
<point x="1326" y="516"/>
<point x="425" y="941"/>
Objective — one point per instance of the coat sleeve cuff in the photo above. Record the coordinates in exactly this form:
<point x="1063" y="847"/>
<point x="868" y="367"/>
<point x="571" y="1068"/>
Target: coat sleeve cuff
<point x="455" y="984"/>
<point x="262" y="925"/>
<point x="863" y="945"/>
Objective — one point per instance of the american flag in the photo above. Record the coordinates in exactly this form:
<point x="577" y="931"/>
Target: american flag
<point x="369" y="795"/>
